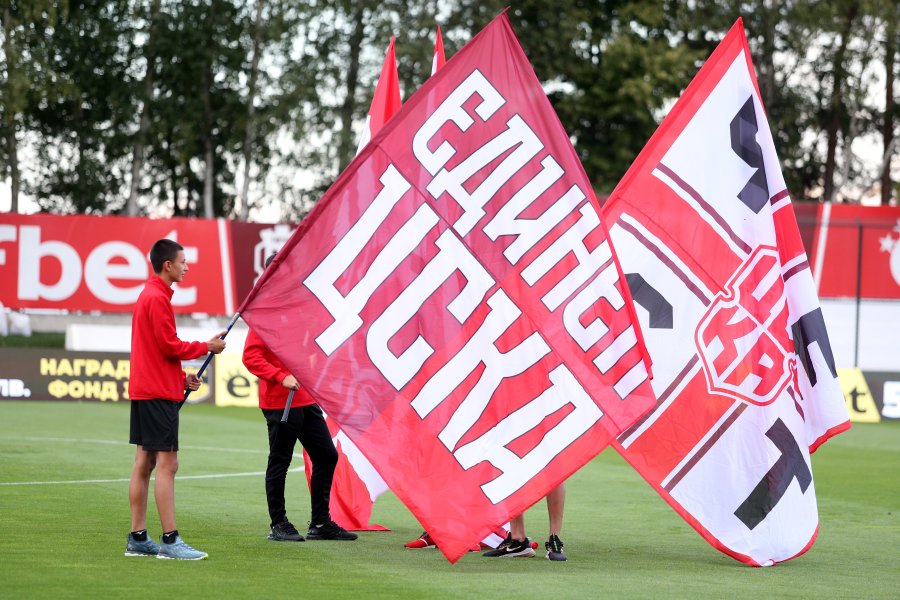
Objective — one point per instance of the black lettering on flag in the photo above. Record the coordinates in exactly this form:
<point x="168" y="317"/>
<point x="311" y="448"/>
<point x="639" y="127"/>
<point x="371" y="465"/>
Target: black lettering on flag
<point x="743" y="141"/>
<point x="652" y="300"/>
<point x="774" y="484"/>
<point x="808" y="329"/>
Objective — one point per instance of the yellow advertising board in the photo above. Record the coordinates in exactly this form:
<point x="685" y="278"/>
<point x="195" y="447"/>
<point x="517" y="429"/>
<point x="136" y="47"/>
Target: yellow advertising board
<point x="860" y="403"/>
<point x="235" y="386"/>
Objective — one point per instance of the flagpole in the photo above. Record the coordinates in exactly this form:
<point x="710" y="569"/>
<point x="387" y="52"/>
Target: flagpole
<point x="859" y="265"/>
<point x="287" y="406"/>
<point x="209" y="356"/>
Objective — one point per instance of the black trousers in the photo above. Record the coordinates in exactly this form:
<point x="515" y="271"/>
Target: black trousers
<point x="307" y="424"/>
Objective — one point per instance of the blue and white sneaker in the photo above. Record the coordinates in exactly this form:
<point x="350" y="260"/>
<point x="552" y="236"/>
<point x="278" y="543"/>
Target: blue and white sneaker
<point x="179" y="550"/>
<point x="146" y="548"/>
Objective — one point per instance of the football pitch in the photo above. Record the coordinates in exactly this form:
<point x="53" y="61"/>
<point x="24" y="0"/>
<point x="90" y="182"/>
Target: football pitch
<point x="64" y="516"/>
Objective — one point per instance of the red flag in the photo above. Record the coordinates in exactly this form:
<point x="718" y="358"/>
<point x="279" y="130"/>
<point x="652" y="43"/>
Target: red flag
<point x="386" y="100"/>
<point x="355" y="486"/>
<point x="744" y="373"/>
<point x="459" y="310"/>
<point x="438" y="61"/>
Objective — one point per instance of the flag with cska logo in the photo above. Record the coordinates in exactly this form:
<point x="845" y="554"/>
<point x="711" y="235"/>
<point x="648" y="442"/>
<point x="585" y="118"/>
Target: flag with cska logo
<point x="744" y="374"/>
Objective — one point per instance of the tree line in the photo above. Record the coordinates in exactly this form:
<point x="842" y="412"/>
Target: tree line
<point x="216" y="107"/>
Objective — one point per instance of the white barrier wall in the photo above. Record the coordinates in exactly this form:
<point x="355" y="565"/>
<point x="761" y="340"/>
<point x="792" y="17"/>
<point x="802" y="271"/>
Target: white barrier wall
<point x="117" y="338"/>
<point x="879" y="333"/>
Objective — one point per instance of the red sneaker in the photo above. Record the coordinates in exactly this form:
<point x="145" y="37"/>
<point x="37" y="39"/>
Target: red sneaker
<point x="423" y="541"/>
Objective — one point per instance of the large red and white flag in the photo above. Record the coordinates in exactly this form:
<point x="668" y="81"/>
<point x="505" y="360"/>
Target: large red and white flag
<point x="386" y="100"/>
<point x="453" y="302"/>
<point x="744" y="374"/>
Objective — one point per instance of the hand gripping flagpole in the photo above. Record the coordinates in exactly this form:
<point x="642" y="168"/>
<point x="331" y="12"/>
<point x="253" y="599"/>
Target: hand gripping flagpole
<point x="205" y="364"/>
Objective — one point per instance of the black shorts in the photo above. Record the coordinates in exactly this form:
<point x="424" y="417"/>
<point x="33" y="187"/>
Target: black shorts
<point x="154" y="425"/>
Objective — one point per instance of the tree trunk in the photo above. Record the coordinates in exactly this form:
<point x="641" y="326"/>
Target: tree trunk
<point x="9" y="115"/>
<point x="208" y="176"/>
<point x="137" y="159"/>
<point x="208" y="146"/>
<point x="345" y="148"/>
<point x="887" y="126"/>
<point x="176" y="209"/>
<point x="767" y="86"/>
<point x="833" y="126"/>
<point x="250" y="130"/>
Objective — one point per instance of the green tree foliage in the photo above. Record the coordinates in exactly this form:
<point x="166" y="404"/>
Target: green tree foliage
<point x="180" y="107"/>
<point x="197" y="105"/>
<point x="341" y="56"/>
<point x="78" y="111"/>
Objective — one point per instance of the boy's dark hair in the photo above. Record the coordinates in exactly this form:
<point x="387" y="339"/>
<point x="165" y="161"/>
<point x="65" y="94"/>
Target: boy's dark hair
<point x="270" y="259"/>
<point x="162" y="251"/>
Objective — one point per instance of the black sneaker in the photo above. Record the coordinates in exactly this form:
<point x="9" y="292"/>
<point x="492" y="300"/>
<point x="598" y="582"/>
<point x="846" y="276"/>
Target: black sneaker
<point x="512" y="548"/>
<point x="501" y="547"/>
<point x="285" y="532"/>
<point x="329" y="531"/>
<point x="554" y="548"/>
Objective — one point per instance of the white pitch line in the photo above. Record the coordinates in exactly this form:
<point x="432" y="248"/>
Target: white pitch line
<point x="121" y="443"/>
<point x="125" y="480"/>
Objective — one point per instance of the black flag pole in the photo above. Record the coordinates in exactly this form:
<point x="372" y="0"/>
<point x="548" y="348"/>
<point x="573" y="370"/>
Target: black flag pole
<point x="287" y="407"/>
<point x="209" y="356"/>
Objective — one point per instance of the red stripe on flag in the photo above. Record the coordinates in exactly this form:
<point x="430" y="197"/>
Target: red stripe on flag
<point x="678" y="429"/>
<point x="678" y="225"/>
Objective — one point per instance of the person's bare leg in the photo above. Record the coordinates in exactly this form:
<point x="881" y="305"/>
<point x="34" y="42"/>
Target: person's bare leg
<point x="556" y="504"/>
<point x="164" y="489"/>
<point x="517" y="528"/>
<point x="139" y="487"/>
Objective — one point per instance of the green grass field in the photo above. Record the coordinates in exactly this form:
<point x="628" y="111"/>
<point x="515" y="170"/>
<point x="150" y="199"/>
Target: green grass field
<point x="38" y="339"/>
<point x="623" y="541"/>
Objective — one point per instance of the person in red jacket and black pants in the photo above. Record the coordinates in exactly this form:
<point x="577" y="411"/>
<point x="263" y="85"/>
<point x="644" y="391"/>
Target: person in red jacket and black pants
<point x="156" y="389"/>
<point x="305" y="423"/>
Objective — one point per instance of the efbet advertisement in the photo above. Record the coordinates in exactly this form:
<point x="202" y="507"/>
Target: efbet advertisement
<point x="47" y="263"/>
<point x="235" y="386"/>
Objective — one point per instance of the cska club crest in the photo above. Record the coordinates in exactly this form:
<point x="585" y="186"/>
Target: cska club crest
<point x="743" y="339"/>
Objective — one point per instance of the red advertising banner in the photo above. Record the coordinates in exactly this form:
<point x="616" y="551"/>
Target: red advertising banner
<point x="454" y="304"/>
<point x="252" y="243"/>
<point x="855" y="251"/>
<point x="78" y="262"/>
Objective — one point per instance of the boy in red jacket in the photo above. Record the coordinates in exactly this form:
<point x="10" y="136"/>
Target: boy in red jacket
<point x="156" y="389"/>
<point x="306" y="423"/>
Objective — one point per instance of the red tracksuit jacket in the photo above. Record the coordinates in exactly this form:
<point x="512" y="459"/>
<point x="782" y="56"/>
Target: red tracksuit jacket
<point x="156" y="351"/>
<point x="263" y="363"/>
